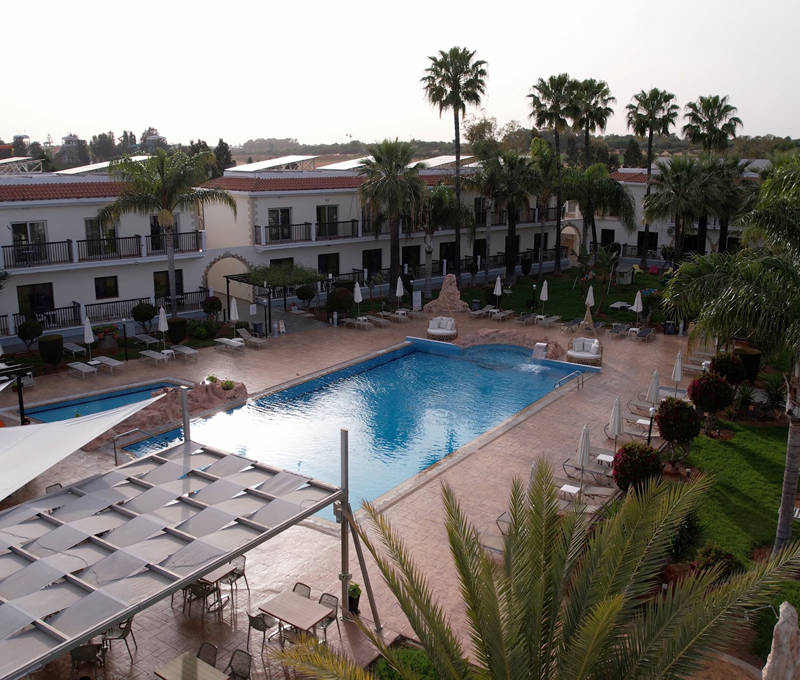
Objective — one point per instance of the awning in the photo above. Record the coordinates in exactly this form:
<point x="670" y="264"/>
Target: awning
<point x="31" y="450"/>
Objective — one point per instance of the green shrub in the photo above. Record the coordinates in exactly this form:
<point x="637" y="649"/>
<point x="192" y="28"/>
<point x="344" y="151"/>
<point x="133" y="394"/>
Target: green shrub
<point x="212" y="379"/>
<point x="51" y="348"/>
<point x="305" y="294"/>
<point x="634" y="463"/>
<point x="744" y="397"/>
<point x="347" y="284"/>
<point x="176" y="329"/>
<point x="751" y="361"/>
<point x="730" y="367"/>
<point x="212" y="306"/>
<point x="710" y="392"/>
<point x="143" y="314"/>
<point x="775" y="387"/>
<point x="227" y="385"/>
<point x="712" y="556"/>
<point x="28" y="331"/>
<point x="199" y="332"/>
<point x="686" y="538"/>
<point x="678" y="425"/>
<point x="766" y="619"/>
<point x="340" y="301"/>
<point x="416" y="660"/>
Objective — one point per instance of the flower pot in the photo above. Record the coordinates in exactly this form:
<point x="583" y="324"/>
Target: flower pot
<point x="352" y="603"/>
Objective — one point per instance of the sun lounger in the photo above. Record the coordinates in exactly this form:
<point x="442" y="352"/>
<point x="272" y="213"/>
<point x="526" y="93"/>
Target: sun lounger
<point x="251" y="340"/>
<point x="109" y="362"/>
<point x="503" y="315"/>
<point x="146" y="339"/>
<point x="82" y="369"/>
<point x="570" y="326"/>
<point x="619" y="330"/>
<point x="227" y="343"/>
<point x="360" y="323"/>
<point x="602" y="474"/>
<point x="526" y="319"/>
<point x="549" y="321"/>
<point x="478" y="313"/>
<point x="74" y="349"/>
<point x="644" y="334"/>
<point x="185" y="352"/>
<point x="377" y="321"/>
<point x="155" y="356"/>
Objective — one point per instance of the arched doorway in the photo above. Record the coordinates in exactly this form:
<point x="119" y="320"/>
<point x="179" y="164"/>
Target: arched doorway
<point x="226" y="264"/>
<point x="571" y="239"/>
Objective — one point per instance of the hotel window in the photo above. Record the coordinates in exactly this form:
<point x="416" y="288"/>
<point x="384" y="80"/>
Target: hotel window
<point x="29" y="232"/>
<point x="279" y="216"/>
<point x="106" y="287"/>
<point x="161" y="283"/>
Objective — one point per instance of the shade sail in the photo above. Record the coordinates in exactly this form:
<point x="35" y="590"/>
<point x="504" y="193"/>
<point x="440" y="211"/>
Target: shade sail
<point x="29" y="451"/>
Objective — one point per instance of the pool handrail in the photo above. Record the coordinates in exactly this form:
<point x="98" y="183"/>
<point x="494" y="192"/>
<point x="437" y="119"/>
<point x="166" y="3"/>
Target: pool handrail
<point x="570" y="376"/>
<point x="124" y="434"/>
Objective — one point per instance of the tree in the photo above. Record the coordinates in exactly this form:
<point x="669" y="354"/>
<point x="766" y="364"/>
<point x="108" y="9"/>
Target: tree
<point x="442" y="213"/>
<point x="551" y="102"/>
<point x="754" y="294"/>
<point x="200" y="146"/>
<point x="571" y="600"/>
<point x="20" y="147"/>
<point x="711" y="122"/>
<point x="633" y="157"/>
<point x="393" y="188"/>
<point x="103" y="147"/>
<point x="453" y="80"/>
<point x="651" y="113"/>
<point x="224" y="159"/>
<point x="161" y="185"/>
<point x="730" y="195"/>
<point x="37" y="152"/>
<point x="591" y="110"/>
<point x="127" y="143"/>
<point x="514" y="137"/>
<point x="547" y="167"/>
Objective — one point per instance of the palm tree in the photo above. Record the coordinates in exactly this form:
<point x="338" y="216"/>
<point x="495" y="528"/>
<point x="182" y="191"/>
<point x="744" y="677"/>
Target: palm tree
<point x="163" y="184"/>
<point x="711" y="122"/>
<point x="591" y="111"/>
<point x="679" y="194"/>
<point x="552" y="101"/>
<point x="508" y="179"/>
<point x="392" y="187"/>
<point x="452" y="81"/>
<point x="547" y="168"/>
<point x="754" y="294"/>
<point x="652" y="112"/>
<point x="570" y="601"/>
<point x="442" y="212"/>
<point x="730" y="196"/>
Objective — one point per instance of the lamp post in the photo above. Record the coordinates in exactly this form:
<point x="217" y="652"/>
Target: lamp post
<point x="125" y="337"/>
<point x="650" y="429"/>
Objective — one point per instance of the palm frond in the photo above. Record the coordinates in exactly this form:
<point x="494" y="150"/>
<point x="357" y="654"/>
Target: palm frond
<point x="311" y="658"/>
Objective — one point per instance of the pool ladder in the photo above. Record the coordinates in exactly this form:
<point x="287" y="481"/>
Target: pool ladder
<point x="575" y="375"/>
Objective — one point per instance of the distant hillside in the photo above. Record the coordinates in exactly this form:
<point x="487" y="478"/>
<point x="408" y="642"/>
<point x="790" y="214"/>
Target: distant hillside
<point x="271" y="147"/>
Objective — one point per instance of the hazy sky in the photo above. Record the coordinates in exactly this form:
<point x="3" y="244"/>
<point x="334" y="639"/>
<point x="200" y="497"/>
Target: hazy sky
<point x="320" y="71"/>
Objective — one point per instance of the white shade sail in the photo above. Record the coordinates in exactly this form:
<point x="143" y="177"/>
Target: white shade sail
<point x="357" y="298"/>
<point x="543" y="293"/>
<point x="498" y="287"/>
<point x="583" y="448"/>
<point x="615" y="427"/>
<point x="400" y="291"/>
<point x="163" y="326"/>
<point x="590" y="297"/>
<point x="88" y="335"/>
<point x="234" y="312"/>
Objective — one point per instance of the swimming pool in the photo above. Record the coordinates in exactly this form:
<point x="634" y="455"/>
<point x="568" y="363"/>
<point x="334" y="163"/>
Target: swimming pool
<point x="63" y="410"/>
<point x="404" y="410"/>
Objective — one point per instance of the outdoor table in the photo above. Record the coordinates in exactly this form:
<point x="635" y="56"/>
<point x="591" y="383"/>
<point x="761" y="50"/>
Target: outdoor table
<point x="169" y="353"/>
<point x="605" y="459"/>
<point x="619" y="305"/>
<point x="296" y="610"/>
<point x="188" y="667"/>
<point x="93" y="362"/>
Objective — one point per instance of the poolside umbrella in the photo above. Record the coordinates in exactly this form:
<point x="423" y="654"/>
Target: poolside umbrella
<point x="583" y="453"/>
<point x="400" y="291"/>
<point x="234" y="315"/>
<point x="498" y="290"/>
<point x="88" y="336"/>
<point x="637" y="305"/>
<point x="615" y="427"/>
<point x="543" y="294"/>
<point x="357" y="298"/>
<point x="590" y="297"/>
<point x="653" y="390"/>
<point x="162" y="324"/>
<point x="677" y="371"/>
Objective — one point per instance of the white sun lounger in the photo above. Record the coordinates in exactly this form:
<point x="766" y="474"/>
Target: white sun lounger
<point x="82" y="369"/>
<point x="155" y="356"/>
<point x="377" y="321"/>
<point x="251" y="340"/>
<point x="74" y="349"/>
<point x="185" y="352"/>
<point x="227" y="343"/>
<point x="146" y="339"/>
<point x="109" y="362"/>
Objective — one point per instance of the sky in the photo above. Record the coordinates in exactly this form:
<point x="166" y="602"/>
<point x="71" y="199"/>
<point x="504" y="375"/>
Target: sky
<point x="323" y="72"/>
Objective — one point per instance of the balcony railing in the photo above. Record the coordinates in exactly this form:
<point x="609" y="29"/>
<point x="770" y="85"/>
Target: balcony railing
<point x="184" y="302"/>
<point x="371" y="228"/>
<point x="123" y="309"/>
<point x="287" y="233"/>
<point x="109" y="248"/>
<point x="183" y="242"/>
<point x="332" y="230"/>
<point x="3" y="324"/>
<point x="59" y="317"/>
<point x="22" y="255"/>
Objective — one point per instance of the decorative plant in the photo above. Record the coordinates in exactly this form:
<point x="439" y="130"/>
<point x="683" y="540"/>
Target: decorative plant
<point x="710" y="556"/>
<point x="730" y="367"/>
<point x="305" y="294"/>
<point x="775" y="387"/>
<point x="678" y="425"/>
<point x="212" y="379"/>
<point x="354" y="590"/>
<point x="635" y="463"/>
<point x="143" y="314"/>
<point x="212" y="306"/>
<point x="28" y="331"/>
<point x="227" y="385"/>
<point x="176" y="329"/>
<point x="710" y="393"/>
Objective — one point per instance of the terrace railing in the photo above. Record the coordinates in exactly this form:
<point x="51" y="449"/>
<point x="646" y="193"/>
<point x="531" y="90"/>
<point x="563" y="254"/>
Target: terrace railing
<point x="111" y="311"/>
<point x="183" y="242"/>
<point x="370" y="228"/>
<point x="59" y="317"/>
<point x="109" y="248"/>
<point x="287" y="233"/>
<point x="21" y="255"/>
<point x="185" y="302"/>
<point x="332" y="230"/>
<point x="3" y="324"/>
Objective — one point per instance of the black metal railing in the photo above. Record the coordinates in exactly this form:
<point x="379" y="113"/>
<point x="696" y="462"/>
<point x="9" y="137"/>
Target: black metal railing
<point x="58" y="317"/>
<point x="183" y="242"/>
<point x="111" y="311"/>
<point x="334" y="230"/>
<point x="282" y="233"/>
<point x="371" y="228"/>
<point x="3" y="324"/>
<point x="109" y="248"/>
<point x="37" y="254"/>
<point x="184" y="302"/>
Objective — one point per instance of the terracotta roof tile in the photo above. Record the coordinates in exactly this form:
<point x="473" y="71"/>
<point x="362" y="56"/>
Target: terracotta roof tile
<point x="60" y="191"/>
<point x="256" y="184"/>
<point x="636" y="177"/>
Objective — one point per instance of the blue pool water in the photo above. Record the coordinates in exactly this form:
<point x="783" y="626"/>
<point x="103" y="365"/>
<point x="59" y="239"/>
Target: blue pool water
<point x="404" y="411"/>
<point x="64" y="410"/>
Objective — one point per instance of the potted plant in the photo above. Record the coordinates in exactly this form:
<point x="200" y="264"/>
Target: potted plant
<point x="353" y="595"/>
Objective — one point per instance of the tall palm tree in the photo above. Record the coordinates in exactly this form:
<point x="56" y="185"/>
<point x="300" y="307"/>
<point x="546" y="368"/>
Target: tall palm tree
<point x="711" y="122"/>
<point x="392" y="187"/>
<point x="442" y="213"/>
<point x="652" y="112"/>
<point x="754" y="294"/>
<point x="453" y="80"/>
<point x="731" y="195"/>
<point x="547" y="168"/>
<point x="508" y="179"/>
<point x="570" y="601"/>
<point x="163" y="184"/>
<point x="552" y="102"/>
<point x="679" y="194"/>
<point x="591" y="111"/>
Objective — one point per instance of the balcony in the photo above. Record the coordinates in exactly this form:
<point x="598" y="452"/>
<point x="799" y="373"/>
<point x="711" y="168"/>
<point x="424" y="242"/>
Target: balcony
<point x="283" y="233"/>
<point x="53" y="319"/>
<point x="22" y="255"/>
<point x="328" y="231"/>
<point x="123" y="309"/>
<point x="183" y="242"/>
<point x="91" y="250"/>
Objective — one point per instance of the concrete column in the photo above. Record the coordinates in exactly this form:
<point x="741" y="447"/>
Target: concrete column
<point x="142" y="245"/>
<point x="202" y="239"/>
<point x="73" y="245"/>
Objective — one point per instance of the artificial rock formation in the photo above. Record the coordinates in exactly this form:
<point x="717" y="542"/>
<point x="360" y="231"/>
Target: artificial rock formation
<point x="783" y="662"/>
<point x="524" y="337"/>
<point x="449" y="300"/>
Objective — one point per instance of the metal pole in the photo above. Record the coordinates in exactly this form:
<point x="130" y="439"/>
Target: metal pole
<point x="345" y="575"/>
<point x="21" y="401"/>
<point x="363" y="566"/>
<point x="269" y="309"/>
<point x="187" y="435"/>
<point x="650" y="429"/>
<point x="125" y="337"/>
<point x="227" y="309"/>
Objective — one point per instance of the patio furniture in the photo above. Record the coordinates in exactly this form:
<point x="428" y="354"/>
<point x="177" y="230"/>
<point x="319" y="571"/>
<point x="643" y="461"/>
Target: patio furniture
<point x="187" y="666"/>
<point x="185" y="352"/>
<point x="93" y="654"/>
<point x="296" y="611"/>
<point x="146" y="339"/>
<point x="585" y="351"/>
<point x="251" y="340"/>
<point x="121" y="631"/>
<point x="239" y="665"/>
<point x="377" y="321"/>
<point x="229" y="344"/>
<point x="169" y="353"/>
<point x="302" y="589"/>
<point x="52" y="487"/>
<point x="208" y="653"/>
<point x="526" y="319"/>
<point x="502" y="315"/>
<point x="479" y="313"/>
<point x="618" y="330"/>
<point x="155" y="356"/>
<point x="602" y="474"/>
<point x="261" y="623"/>
<point x="200" y="590"/>
<point x="74" y="349"/>
<point x="82" y="369"/>
<point x="331" y="601"/>
<point x="549" y="321"/>
<point x="644" y="334"/>
<point x="109" y="362"/>
<point x="442" y="328"/>
<point x="236" y="573"/>
<point x="570" y="326"/>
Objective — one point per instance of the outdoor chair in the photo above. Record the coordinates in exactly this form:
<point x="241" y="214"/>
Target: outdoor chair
<point x="201" y="591"/>
<point x="185" y="352"/>
<point x="526" y="318"/>
<point x="602" y="474"/>
<point x="570" y="326"/>
<point x="74" y="349"/>
<point x="502" y="315"/>
<point x="239" y="665"/>
<point x="121" y="631"/>
<point x="82" y="369"/>
<point x="251" y="340"/>
<point x="146" y="339"/>
<point x="109" y="362"/>
<point x="237" y="573"/>
<point x="549" y="321"/>
<point x="302" y="589"/>
<point x="331" y="601"/>
<point x="261" y="623"/>
<point x="207" y="653"/>
<point x="155" y="356"/>
<point x="644" y="334"/>
<point x="377" y="321"/>
<point x="92" y="654"/>
<point x="228" y="343"/>
<point x="478" y="313"/>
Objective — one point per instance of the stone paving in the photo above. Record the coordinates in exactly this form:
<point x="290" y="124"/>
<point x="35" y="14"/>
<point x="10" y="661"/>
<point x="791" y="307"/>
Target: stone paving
<point x="480" y="473"/>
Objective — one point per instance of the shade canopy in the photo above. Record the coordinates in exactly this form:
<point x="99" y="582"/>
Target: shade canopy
<point x="637" y="303"/>
<point x="583" y="448"/>
<point x="677" y="370"/>
<point x="88" y="335"/>
<point x="357" y="297"/>
<point x="615" y="426"/>
<point x="163" y="326"/>
<point x="543" y="293"/>
<point x="498" y="287"/>
<point x="400" y="291"/>
<point x="590" y="297"/>
<point x="653" y="392"/>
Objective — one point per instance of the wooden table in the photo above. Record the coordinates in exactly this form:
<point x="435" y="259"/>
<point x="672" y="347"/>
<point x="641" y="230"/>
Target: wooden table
<point x="296" y="610"/>
<point x="188" y="667"/>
